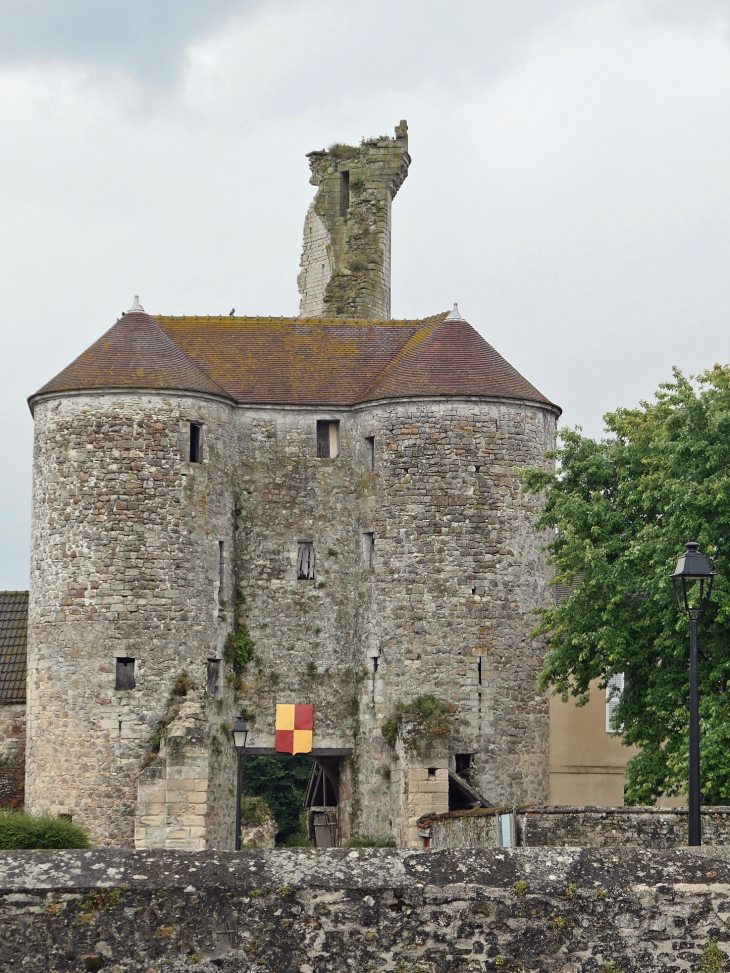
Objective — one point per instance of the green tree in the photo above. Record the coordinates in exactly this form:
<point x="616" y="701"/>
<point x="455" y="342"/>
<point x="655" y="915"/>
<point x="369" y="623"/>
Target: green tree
<point x="281" y="782"/>
<point x="622" y="509"/>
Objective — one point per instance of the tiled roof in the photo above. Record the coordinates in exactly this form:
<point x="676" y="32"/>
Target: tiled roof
<point x="135" y="353"/>
<point x="296" y="361"/>
<point x="13" y="645"/>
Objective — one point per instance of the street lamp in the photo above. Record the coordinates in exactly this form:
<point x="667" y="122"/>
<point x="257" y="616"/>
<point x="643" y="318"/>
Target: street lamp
<point x="693" y="587"/>
<point x="239" y="734"/>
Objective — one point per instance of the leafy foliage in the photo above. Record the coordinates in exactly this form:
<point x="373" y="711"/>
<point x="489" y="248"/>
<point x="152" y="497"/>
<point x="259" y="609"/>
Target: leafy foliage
<point x="622" y="509"/>
<point x="19" y="830"/>
<point x="254" y="810"/>
<point x="183" y="685"/>
<point x="424" y="718"/>
<point x="281" y="782"/>
<point x="713" y="960"/>
<point x="238" y="650"/>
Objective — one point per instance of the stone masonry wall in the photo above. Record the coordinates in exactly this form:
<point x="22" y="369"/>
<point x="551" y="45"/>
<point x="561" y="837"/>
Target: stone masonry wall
<point x="125" y="563"/>
<point x="12" y="755"/>
<point x="577" y="827"/>
<point x="126" y="538"/>
<point x="530" y="910"/>
<point x="346" y="254"/>
<point x="457" y="573"/>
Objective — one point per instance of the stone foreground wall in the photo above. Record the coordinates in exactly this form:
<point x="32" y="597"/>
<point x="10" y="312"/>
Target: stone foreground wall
<point x="564" y="827"/>
<point x="536" y="911"/>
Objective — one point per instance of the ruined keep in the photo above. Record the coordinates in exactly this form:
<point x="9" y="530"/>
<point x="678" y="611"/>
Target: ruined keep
<point x="231" y="513"/>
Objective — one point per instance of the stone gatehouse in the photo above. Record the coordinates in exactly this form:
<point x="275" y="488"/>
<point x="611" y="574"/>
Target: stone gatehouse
<point x="231" y="513"/>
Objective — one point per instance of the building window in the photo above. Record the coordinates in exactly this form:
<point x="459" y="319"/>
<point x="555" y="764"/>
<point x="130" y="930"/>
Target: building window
<point x="213" y="681"/>
<point x="368" y="545"/>
<point x="614" y="688"/>
<point x="305" y="561"/>
<point x="328" y="439"/>
<point x="221" y="569"/>
<point x="370" y="451"/>
<point x="125" y="674"/>
<point x="195" y="442"/>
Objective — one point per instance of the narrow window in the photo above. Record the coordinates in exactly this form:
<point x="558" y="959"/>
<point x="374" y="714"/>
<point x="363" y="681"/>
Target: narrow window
<point x="613" y="697"/>
<point x="328" y="439"/>
<point x="213" y="682"/>
<point x="432" y="773"/>
<point x="221" y="569"/>
<point x="194" y="442"/>
<point x="370" y="451"/>
<point x="462" y="763"/>
<point x="305" y="561"/>
<point x="125" y="674"/>
<point x="368" y="545"/>
<point x="344" y="193"/>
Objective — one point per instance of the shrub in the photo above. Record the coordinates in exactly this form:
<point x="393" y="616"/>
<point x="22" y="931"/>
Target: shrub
<point x="713" y="960"/>
<point x="19" y="830"/>
<point x="254" y="810"/>
<point x="370" y="841"/>
<point x="425" y="718"/>
<point x="183" y="685"/>
<point x="238" y="650"/>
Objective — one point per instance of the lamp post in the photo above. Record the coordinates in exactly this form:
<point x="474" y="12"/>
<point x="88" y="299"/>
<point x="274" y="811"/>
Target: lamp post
<point x="693" y="586"/>
<point x="239" y="734"/>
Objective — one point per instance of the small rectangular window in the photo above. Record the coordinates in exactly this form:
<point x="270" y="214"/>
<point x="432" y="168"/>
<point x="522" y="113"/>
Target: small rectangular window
<point x="328" y="439"/>
<point x="614" y="689"/>
<point x="213" y="681"/>
<point x="368" y="545"/>
<point x="221" y="569"/>
<point x="370" y="451"/>
<point x="125" y="674"/>
<point x="305" y="561"/>
<point x="195" y="440"/>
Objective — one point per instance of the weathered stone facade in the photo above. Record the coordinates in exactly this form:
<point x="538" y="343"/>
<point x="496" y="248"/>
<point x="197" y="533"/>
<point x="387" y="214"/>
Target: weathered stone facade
<point x="12" y="755"/>
<point x="127" y="537"/>
<point x="346" y="255"/>
<point x="124" y="565"/>
<point x="183" y="470"/>
<point x="537" y="910"/>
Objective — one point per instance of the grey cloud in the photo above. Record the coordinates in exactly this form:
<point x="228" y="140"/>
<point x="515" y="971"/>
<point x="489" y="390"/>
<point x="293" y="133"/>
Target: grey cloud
<point x="143" y="37"/>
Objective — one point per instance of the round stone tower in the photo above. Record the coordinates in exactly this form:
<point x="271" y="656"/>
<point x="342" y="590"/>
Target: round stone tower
<point x="131" y="543"/>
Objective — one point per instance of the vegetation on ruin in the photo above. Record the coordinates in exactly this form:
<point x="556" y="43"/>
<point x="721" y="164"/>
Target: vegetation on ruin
<point x="183" y="685"/>
<point x="357" y="184"/>
<point x="254" y="810"/>
<point x="621" y="510"/>
<point x="19" y="830"/>
<point x="424" y="718"/>
<point x="342" y="150"/>
<point x="713" y="960"/>
<point x="238" y="650"/>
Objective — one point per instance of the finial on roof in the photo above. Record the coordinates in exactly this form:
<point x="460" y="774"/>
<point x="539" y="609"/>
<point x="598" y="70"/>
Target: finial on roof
<point x="454" y="315"/>
<point x="136" y="306"/>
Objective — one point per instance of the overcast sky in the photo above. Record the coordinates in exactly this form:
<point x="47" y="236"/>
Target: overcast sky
<point x="569" y="186"/>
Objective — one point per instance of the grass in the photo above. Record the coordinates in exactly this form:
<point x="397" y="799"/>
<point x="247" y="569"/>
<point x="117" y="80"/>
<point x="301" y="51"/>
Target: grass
<point x="370" y="841"/>
<point x="19" y="831"/>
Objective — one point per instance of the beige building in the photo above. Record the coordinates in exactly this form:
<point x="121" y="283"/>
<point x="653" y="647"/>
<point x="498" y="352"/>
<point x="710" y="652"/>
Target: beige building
<point x="587" y="759"/>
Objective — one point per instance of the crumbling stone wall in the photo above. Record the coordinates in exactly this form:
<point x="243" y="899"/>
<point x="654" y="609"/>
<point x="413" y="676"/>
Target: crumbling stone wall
<point x="533" y="910"/>
<point x="346" y="254"/>
<point x="125" y="563"/>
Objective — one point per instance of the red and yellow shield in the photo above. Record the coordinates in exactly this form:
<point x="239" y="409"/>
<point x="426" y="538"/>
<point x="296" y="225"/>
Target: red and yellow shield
<point x="294" y="724"/>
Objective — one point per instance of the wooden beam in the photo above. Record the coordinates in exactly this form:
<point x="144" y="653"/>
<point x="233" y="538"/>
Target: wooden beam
<point x="314" y="752"/>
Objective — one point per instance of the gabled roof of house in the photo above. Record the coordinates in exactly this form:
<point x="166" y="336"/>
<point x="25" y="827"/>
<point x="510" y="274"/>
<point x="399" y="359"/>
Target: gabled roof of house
<point x="296" y="361"/>
<point x="13" y="645"/>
